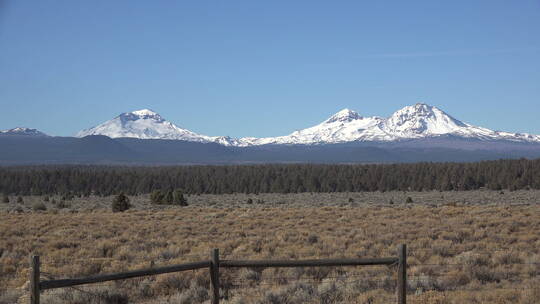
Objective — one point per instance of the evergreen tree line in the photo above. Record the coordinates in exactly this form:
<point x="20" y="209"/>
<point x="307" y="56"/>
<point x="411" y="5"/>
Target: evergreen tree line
<point x="276" y="178"/>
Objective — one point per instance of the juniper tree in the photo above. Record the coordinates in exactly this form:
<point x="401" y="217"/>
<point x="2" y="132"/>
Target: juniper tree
<point x="156" y="197"/>
<point x="179" y="199"/>
<point x="168" y="199"/>
<point x="120" y="203"/>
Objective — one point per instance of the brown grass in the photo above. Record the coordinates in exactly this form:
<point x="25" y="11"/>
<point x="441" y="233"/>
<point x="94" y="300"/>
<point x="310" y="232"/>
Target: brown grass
<point x="458" y="254"/>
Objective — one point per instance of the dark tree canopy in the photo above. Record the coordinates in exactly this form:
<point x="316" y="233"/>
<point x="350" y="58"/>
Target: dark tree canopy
<point x="178" y="198"/>
<point x="279" y="178"/>
<point x="120" y="203"/>
<point x="169" y="197"/>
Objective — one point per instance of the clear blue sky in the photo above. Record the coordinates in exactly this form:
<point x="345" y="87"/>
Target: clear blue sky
<point x="266" y="68"/>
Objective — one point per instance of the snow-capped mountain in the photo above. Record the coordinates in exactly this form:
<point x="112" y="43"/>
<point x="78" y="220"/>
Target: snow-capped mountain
<point x="412" y="122"/>
<point x="22" y="131"/>
<point x="344" y="126"/>
<point x="147" y="124"/>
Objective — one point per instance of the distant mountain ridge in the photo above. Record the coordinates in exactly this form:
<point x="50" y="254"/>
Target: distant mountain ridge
<point x="417" y="133"/>
<point x="22" y="132"/>
<point x="99" y="149"/>
<point x="409" y="123"/>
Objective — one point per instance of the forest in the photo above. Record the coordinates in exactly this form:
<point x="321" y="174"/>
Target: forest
<point x="270" y="178"/>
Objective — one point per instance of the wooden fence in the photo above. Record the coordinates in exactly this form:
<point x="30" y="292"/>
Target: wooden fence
<point x="214" y="264"/>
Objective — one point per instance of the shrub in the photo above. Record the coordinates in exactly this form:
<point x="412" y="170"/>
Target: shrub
<point x="68" y="197"/>
<point x="10" y="296"/>
<point x="195" y="294"/>
<point x="94" y="295"/>
<point x="249" y="201"/>
<point x="312" y="239"/>
<point x="169" y="284"/>
<point x="175" y="197"/>
<point x="250" y="275"/>
<point x="5" y="199"/>
<point x="61" y="204"/>
<point x="409" y="200"/>
<point x="39" y="207"/>
<point x="168" y="199"/>
<point x="157" y="197"/>
<point x="20" y="199"/>
<point x="329" y="292"/>
<point x="293" y="293"/>
<point x="178" y="198"/>
<point x="351" y="200"/>
<point x="507" y="258"/>
<point x="120" y="203"/>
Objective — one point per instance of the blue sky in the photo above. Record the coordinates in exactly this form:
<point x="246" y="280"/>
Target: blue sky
<point x="266" y="68"/>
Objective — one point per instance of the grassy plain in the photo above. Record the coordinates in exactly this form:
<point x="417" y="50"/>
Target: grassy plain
<point x="462" y="248"/>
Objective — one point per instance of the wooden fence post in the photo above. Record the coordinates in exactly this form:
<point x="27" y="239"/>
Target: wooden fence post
<point x="34" y="279"/>
<point x="402" y="275"/>
<point x="214" y="276"/>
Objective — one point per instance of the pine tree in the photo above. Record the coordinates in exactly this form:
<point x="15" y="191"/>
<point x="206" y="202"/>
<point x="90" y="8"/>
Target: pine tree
<point x="69" y="181"/>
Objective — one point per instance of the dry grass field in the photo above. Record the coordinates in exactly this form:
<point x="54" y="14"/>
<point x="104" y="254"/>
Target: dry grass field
<point x="299" y="200"/>
<point x="462" y="249"/>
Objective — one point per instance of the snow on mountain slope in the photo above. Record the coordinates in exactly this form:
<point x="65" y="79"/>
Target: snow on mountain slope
<point x="22" y="131"/>
<point x="421" y="120"/>
<point x="346" y="125"/>
<point x="411" y="122"/>
<point x="147" y="124"/>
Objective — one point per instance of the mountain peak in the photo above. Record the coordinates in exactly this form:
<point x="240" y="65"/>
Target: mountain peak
<point x="141" y="114"/>
<point x="424" y="119"/>
<point x="418" y="108"/>
<point x="344" y="115"/>
<point x="423" y="110"/>
<point x="145" y="112"/>
<point x="147" y="124"/>
<point x="23" y="131"/>
<point x="415" y="121"/>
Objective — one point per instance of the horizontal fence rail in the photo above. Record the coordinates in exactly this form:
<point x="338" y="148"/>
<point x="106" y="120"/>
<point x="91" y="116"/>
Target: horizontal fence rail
<point x="213" y="264"/>
<point x="122" y="275"/>
<point x="308" y="263"/>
